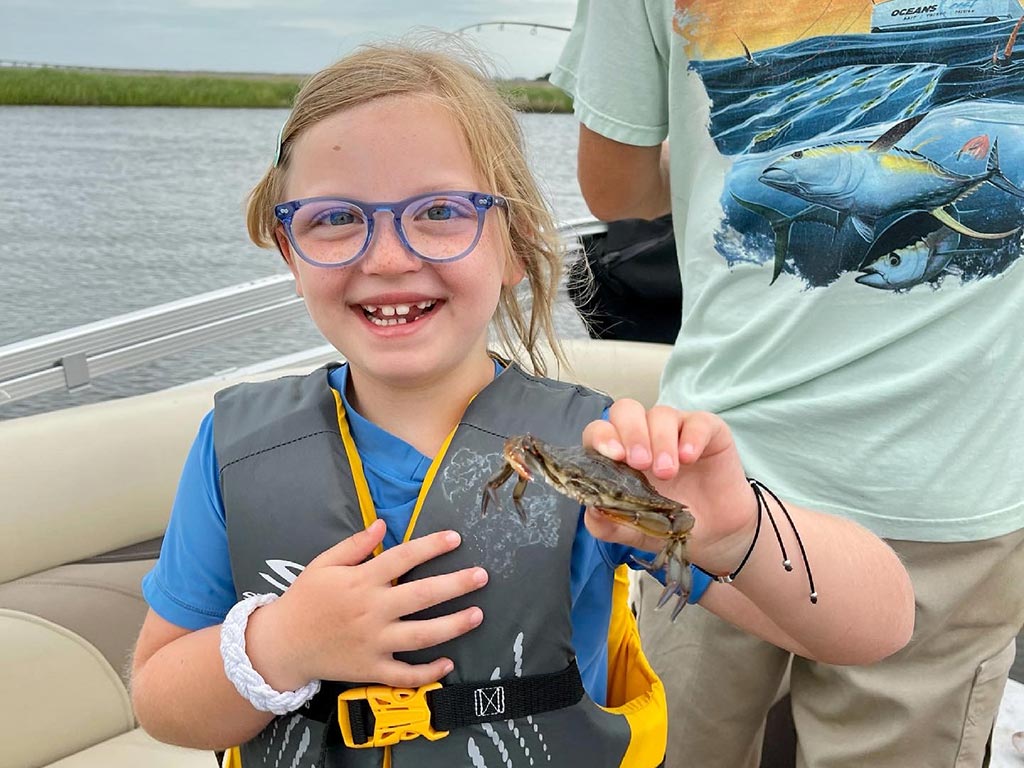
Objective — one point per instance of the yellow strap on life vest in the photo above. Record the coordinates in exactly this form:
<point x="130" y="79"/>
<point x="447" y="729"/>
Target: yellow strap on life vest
<point x="358" y="477"/>
<point x="634" y="690"/>
<point x="366" y="508"/>
<point x="428" y="480"/>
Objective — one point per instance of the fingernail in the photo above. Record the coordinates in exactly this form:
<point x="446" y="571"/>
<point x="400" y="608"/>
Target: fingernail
<point x="448" y="666"/>
<point x="612" y="449"/>
<point x="639" y="455"/>
<point x="480" y="576"/>
<point x="688" y="449"/>
<point x="476" y="616"/>
<point x="664" y="461"/>
<point x="452" y="537"/>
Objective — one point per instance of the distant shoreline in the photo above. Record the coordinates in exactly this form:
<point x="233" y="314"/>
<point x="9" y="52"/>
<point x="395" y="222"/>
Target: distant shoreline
<point x="68" y="86"/>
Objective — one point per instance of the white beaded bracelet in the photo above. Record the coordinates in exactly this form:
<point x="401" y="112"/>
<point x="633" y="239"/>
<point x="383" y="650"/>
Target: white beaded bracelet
<point x="239" y="670"/>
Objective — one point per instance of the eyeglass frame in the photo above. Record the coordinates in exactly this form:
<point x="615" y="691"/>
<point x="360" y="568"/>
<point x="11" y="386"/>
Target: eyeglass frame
<point x="482" y="201"/>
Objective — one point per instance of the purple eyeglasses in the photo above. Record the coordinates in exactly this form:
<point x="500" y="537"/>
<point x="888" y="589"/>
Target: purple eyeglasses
<point x="436" y="227"/>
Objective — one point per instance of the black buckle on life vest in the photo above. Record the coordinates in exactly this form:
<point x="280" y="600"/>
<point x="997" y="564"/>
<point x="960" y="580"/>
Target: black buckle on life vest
<point x="376" y="716"/>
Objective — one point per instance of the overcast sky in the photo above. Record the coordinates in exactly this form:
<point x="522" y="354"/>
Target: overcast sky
<point x="264" y="35"/>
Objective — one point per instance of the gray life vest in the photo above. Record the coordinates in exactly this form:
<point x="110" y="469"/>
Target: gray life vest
<point x="291" y="485"/>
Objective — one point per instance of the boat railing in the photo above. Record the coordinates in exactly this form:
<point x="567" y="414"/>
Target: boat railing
<point x="71" y="358"/>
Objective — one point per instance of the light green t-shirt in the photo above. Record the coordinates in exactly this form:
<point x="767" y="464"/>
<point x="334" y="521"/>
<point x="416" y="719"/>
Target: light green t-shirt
<point x="846" y="193"/>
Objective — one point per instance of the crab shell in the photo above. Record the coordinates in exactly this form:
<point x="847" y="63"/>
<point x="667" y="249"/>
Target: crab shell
<point x="612" y="488"/>
<point x="596" y="481"/>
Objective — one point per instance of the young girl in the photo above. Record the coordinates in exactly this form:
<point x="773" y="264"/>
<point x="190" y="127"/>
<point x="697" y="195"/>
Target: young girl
<point x="327" y="528"/>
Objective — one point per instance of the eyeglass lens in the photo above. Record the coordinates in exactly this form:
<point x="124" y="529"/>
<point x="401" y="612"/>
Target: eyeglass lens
<point x="334" y="232"/>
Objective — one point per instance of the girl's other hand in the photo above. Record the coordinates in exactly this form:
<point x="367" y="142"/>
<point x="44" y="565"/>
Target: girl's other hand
<point x="689" y="457"/>
<point x="342" y="617"/>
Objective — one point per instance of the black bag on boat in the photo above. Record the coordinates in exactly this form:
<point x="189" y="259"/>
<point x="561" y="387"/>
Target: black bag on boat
<point x="636" y="293"/>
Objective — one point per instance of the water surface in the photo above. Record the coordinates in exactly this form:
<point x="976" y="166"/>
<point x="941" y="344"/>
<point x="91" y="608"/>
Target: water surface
<point x="109" y="210"/>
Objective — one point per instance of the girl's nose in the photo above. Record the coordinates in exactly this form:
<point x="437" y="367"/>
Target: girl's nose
<point x="386" y="252"/>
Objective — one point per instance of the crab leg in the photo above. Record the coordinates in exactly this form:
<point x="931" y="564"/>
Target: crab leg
<point x="677" y="573"/>
<point x="650" y="523"/>
<point x="492" y="486"/>
<point x="517" y="497"/>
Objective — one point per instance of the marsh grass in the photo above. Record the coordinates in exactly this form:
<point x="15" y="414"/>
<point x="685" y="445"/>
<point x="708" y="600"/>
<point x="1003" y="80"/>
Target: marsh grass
<point x="535" y="96"/>
<point x="66" y="87"/>
<point x="81" y="88"/>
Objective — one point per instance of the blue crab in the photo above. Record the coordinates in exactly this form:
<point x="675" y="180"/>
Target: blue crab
<point x="612" y="488"/>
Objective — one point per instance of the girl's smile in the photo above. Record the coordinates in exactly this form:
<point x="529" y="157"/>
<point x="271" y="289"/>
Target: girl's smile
<point x="396" y="310"/>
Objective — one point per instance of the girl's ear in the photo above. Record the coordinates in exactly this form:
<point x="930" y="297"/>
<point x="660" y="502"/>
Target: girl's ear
<point x="514" y="271"/>
<point x="285" y="249"/>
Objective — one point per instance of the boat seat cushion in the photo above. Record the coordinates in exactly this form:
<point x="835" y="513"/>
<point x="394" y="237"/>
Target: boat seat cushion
<point x="136" y="749"/>
<point x="60" y="694"/>
<point x="100" y="603"/>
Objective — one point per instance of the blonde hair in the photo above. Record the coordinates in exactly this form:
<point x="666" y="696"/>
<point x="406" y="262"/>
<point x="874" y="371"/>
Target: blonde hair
<point x="495" y="144"/>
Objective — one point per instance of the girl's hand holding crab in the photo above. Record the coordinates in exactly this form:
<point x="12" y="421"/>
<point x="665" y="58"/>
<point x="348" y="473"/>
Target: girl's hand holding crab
<point x="689" y="457"/>
<point x="866" y="606"/>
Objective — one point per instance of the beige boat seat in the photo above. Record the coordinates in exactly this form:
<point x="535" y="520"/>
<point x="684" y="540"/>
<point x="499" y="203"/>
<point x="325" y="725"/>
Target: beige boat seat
<point x="86" y="495"/>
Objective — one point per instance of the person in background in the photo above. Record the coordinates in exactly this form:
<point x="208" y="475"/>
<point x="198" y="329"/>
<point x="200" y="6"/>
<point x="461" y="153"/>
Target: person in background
<point x="327" y="532"/>
<point x="849" y="246"/>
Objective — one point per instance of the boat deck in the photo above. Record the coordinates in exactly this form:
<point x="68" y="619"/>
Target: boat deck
<point x="1009" y="722"/>
<point x="1011" y="716"/>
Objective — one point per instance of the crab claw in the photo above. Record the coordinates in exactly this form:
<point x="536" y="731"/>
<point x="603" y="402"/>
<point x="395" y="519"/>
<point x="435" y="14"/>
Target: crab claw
<point x="677" y="575"/>
<point x="673" y="588"/>
<point x="679" y="605"/>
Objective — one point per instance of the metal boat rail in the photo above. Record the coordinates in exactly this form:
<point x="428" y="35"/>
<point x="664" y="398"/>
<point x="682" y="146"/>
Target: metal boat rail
<point x="72" y="358"/>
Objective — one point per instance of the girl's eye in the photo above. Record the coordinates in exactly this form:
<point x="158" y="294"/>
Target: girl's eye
<point x="442" y="209"/>
<point x="439" y="213"/>
<point x="338" y="218"/>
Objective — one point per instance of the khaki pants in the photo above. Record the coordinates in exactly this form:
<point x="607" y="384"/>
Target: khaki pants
<point x="932" y="705"/>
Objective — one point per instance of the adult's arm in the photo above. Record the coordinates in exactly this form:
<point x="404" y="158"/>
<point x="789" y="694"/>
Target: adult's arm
<point x="615" y="67"/>
<point x="623" y="181"/>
